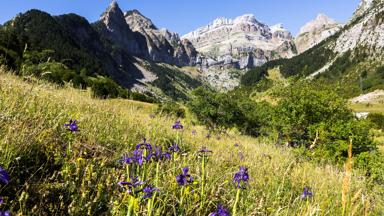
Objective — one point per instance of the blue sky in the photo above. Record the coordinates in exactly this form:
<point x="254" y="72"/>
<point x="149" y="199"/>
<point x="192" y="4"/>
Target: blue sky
<point x="182" y="16"/>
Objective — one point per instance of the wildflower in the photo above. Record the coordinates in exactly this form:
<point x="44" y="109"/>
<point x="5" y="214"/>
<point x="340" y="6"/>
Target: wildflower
<point x="194" y="132"/>
<point x="306" y="193"/>
<point x="221" y="211"/>
<point x="204" y="150"/>
<point x="184" y="178"/>
<point x="127" y="160"/>
<point x="131" y="185"/>
<point x="152" y="116"/>
<point x="237" y="145"/>
<point x="241" y="176"/>
<point x="1" y="200"/>
<point x="177" y="125"/>
<point x="148" y="191"/>
<point x="4" y="177"/>
<point x="4" y="213"/>
<point x="174" y="148"/>
<point x="145" y="144"/>
<point x="72" y="126"/>
<point x="208" y="136"/>
<point x="158" y="154"/>
<point x="138" y="156"/>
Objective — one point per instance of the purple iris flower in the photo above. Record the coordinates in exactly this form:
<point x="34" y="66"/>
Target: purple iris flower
<point x="126" y="159"/>
<point x="184" y="178"/>
<point x="221" y="211"/>
<point x="177" y="125"/>
<point x="138" y="156"/>
<point x="1" y="200"/>
<point x="204" y="150"/>
<point x="131" y="184"/>
<point x="5" y="213"/>
<point x="148" y="191"/>
<point x="4" y="177"/>
<point x="158" y="154"/>
<point x="241" y="177"/>
<point x="306" y="193"/>
<point x="174" y="148"/>
<point x="72" y="126"/>
<point x="144" y="144"/>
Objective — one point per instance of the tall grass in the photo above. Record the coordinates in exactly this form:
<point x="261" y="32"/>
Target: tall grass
<point x="56" y="172"/>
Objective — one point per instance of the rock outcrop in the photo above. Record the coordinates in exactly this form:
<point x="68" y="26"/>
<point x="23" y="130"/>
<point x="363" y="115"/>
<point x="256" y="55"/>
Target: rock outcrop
<point x="240" y="43"/>
<point x="163" y="45"/>
<point x="316" y="31"/>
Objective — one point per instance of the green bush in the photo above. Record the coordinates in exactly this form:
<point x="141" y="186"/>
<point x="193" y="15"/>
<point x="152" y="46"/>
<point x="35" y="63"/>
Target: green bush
<point x="306" y="113"/>
<point x="377" y="119"/>
<point x="372" y="163"/>
<point x="171" y="109"/>
<point x="105" y="88"/>
<point x="215" y="110"/>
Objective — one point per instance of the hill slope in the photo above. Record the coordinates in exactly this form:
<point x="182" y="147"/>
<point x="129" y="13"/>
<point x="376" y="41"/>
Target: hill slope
<point x="55" y="171"/>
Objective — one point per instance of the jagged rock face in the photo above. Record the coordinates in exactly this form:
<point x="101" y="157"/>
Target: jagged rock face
<point x="316" y="31"/>
<point x="163" y="45"/>
<point x="233" y="42"/>
<point x="366" y="29"/>
<point x="363" y="7"/>
<point x="113" y="26"/>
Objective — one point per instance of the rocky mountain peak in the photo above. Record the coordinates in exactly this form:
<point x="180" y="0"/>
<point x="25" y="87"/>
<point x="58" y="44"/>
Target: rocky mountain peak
<point x="246" y="18"/>
<point x="136" y="20"/>
<point x="316" y="31"/>
<point x="113" y="16"/>
<point x="277" y="27"/>
<point x="319" y="22"/>
<point x="363" y="7"/>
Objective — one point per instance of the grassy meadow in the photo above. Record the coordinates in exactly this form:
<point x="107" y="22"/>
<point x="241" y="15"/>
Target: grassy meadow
<point x="54" y="171"/>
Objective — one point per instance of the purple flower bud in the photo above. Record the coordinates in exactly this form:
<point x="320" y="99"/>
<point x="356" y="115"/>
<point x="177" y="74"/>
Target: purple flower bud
<point x="184" y="178"/>
<point x="306" y="193"/>
<point x="221" y="211"/>
<point x="241" y="177"/>
<point x="177" y="125"/>
<point x="72" y="126"/>
<point x="174" y="148"/>
<point x="4" y="177"/>
<point x="148" y="191"/>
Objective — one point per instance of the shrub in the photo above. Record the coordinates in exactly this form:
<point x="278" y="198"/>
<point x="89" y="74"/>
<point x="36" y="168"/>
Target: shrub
<point x="215" y="110"/>
<point x="377" y="119"/>
<point x="171" y="109"/>
<point x="105" y="88"/>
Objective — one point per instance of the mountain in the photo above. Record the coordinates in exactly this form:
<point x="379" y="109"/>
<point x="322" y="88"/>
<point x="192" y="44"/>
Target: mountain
<point x="316" y="31"/>
<point x="241" y="43"/>
<point x="351" y="58"/>
<point x="119" y="46"/>
<point x="163" y="45"/>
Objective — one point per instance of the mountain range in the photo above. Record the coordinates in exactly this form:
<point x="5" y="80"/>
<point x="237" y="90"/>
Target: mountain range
<point x="129" y="48"/>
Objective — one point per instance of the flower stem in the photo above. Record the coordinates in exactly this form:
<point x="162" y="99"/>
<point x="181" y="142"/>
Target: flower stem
<point x="234" y="211"/>
<point x="202" y="182"/>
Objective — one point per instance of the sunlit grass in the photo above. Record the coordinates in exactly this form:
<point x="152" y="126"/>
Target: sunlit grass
<point x="368" y="107"/>
<point x="56" y="172"/>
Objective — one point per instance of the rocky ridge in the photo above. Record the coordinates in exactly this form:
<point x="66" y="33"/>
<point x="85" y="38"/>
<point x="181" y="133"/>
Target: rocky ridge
<point x="316" y="31"/>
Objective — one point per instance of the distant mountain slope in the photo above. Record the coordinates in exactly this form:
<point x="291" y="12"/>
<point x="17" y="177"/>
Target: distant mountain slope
<point x="351" y="58"/>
